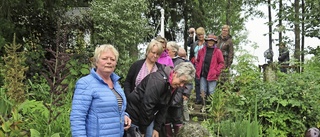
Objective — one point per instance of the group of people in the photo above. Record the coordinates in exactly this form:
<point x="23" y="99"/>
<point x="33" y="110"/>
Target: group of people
<point x="156" y="90"/>
<point x="212" y="57"/>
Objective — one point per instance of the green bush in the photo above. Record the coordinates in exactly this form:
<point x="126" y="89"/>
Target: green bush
<point x="284" y="107"/>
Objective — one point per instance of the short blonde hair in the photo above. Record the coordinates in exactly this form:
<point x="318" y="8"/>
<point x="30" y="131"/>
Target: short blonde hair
<point x="154" y="43"/>
<point x="161" y="39"/>
<point x="104" y="48"/>
<point x="200" y="31"/>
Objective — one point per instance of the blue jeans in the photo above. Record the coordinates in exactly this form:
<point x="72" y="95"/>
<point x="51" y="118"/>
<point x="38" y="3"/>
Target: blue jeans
<point x="149" y="130"/>
<point x="207" y="86"/>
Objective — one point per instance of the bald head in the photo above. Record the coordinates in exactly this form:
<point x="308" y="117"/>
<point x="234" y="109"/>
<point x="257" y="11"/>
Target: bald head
<point x="192" y="30"/>
<point x="182" y="53"/>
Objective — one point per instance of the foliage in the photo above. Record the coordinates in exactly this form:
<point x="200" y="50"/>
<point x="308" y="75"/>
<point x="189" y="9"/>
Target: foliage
<point x="13" y="124"/>
<point x="124" y="29"/>
<point x="217" y="107"/>
<point x="1" y="71"/>
<point x="312" y="18"/>
<point x="57" y="121"/>
<point x="35" y="56"/>
<point x="225" y="120"/>
<point x="14" y="71"/>
<point x="237" y="128"/>
<point x="38" y="88"/>
<point x="285" y="107"/>
<point x="35" y="23"/>
<point x="55" y="49"/>
<point x="5" y="103"/>
<point x="35" y="116"/>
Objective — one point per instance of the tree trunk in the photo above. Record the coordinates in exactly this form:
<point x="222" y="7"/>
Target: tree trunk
<point x="186" y="10"/>
<point x="228" y="12"/>
<point x="280" y="22"/>
<point x="270" y="27"/>
<point x="297" y="50"/>
<point x="303" y="33"/>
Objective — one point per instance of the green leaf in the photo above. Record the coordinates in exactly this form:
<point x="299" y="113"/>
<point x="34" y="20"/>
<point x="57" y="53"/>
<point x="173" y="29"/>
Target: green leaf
<point x="74" y="72"/>
<point x="55" y="135"/>
<point x="283" y="102"/>
<point x="34" y="133"/>
<point x="84" y="71"/>
<point x="6" y="126"/>
<point x="1" y="134"/>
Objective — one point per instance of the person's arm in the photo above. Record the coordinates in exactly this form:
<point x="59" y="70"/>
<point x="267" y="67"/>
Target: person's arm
<point x="197" y="60"/>
<point x="220" y="60"/>
<point x="231" y="54"/>
<point x="80" y="105"/>
<point x="187" y="90"/>
<point x="127" y="122"/>
<point x="150" y="100"/>
<point x="127" y="86"/>
<point x="160" y="118"/>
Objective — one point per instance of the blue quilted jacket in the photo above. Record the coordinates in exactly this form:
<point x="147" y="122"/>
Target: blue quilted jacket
<point x="95" y="111"/>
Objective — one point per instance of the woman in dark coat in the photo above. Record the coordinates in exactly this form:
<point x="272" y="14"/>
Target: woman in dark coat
<point x="151" y="98"/>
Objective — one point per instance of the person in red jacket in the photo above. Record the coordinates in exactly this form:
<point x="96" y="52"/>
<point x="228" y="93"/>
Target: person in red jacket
<point x="210" y="62"/>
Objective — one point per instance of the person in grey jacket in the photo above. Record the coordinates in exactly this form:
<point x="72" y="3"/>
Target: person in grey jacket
<point x="151" y="98"/>
<point x="99" y="103"/>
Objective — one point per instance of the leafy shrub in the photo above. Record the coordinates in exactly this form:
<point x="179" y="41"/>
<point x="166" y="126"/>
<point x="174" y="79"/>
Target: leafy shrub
<point x="284" y="107"/>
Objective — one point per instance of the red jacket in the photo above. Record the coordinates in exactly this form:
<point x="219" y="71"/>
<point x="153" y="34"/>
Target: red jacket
<point x="217" y="63"/>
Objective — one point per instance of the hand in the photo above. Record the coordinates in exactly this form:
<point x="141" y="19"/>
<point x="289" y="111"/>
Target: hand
<point x="184" y="97"/>
<point x="155" y="133"/>
<point x="127" y="122"/>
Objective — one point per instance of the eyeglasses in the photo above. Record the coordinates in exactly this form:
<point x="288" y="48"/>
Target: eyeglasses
<point x="182" y="81"/>
<point x="191" y="32"/>
<point x="210" y="40"/>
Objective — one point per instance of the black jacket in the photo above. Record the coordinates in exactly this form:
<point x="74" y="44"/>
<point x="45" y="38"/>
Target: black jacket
<point x="150" y="100"/>
<point x="129" y="83"/>
<point x="284" y="56"/>
<point x="191" y="44"/>
<point x="178" y="99"/>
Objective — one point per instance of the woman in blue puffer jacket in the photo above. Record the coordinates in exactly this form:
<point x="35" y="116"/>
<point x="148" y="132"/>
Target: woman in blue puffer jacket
<point x="99" y="103"/>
